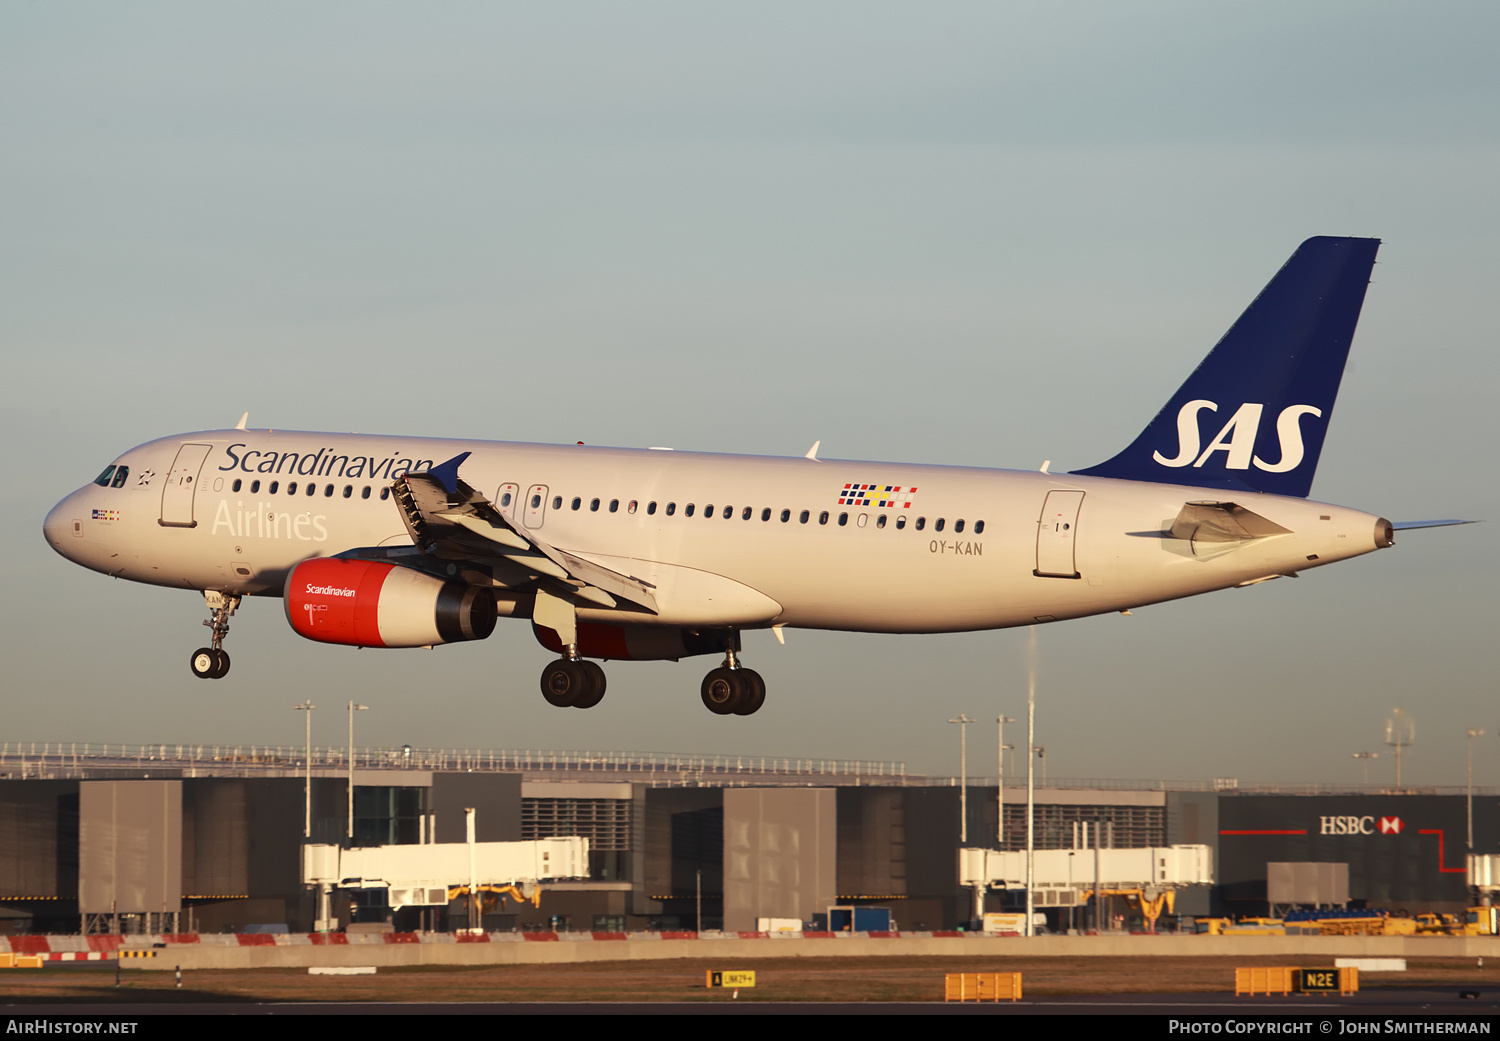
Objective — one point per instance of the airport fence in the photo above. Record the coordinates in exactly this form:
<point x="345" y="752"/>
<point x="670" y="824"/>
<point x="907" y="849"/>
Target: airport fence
<point x="58" y="759"/>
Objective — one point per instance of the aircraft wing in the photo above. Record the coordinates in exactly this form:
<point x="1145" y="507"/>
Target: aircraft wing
<point x="445" y="515"/>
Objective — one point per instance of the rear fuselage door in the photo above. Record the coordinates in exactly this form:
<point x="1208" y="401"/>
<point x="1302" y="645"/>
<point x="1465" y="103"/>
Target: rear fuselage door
<point x="1056" y="535"/>
<point x="177" y="495"/>
<point x="536" y="506"/>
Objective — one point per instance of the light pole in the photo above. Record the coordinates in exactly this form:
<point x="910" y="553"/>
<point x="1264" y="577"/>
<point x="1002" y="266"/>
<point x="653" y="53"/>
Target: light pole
<point x="1400" y="731"/>
<point x="1031" y="666"/>
<point x="353" y="708"/>
<point x="963" y="722"/>
<point x="307" y="706"/>
<point x="1367" y="756"/>
<point x="1471" y="733"/>
<point x="1000" y="782"/>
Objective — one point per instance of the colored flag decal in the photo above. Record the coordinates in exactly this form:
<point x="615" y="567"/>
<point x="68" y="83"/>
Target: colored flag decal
<point x="881" y="496"/>
<point x="1391" y="825"/>
<point x="106" y="515"/>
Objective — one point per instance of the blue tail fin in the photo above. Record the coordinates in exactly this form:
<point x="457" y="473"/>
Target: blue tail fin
<point x="1267" y="387"/>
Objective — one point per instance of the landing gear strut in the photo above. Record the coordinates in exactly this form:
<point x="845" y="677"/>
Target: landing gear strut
<point x="573" y="682"/>
<point x="212" y="662"/>
<point x="732" y="689"/>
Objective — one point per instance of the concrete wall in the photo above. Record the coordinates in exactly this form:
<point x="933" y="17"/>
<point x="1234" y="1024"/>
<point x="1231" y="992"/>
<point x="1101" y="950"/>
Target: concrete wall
<point x="130" y="846"/>
<point x="779" y="854"/>
<point x="1293" y="948"/>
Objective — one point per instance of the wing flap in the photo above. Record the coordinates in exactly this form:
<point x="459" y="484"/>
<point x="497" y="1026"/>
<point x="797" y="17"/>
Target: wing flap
<point x="445" y="515"/>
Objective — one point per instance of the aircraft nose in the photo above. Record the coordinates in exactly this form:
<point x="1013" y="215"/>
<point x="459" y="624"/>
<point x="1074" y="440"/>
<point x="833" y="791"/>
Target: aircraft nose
<point x="63" y="527"/>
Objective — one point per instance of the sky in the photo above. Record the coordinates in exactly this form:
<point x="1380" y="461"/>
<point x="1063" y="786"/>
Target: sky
<point x="987" y="234"/>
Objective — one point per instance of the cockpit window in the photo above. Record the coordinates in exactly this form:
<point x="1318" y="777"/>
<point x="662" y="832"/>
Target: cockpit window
<point x="120" y="474"/>
<point x="103" y="479"/>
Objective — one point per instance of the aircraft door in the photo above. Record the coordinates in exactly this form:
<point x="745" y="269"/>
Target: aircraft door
<point x="505" y="500"/>
<point x="536" y="506"/>
<point x="1056" y="535"/>
<point x="177" y="493"/>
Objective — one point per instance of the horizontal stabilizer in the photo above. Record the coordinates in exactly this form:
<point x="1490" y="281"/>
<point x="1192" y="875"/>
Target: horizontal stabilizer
<point x="1222" y="522"/>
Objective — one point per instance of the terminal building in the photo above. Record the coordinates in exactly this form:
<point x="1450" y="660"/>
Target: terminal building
<point x="203" y="839"/>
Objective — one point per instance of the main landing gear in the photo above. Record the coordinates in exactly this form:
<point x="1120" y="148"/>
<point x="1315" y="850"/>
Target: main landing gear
<point x="729" y="690"/>
<point x="732" y="689"/>
<point x="573" y="683"/>
<point x="212" y="663"/>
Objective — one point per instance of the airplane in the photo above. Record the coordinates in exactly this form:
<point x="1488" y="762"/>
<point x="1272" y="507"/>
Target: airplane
<point x="655" y="554"/>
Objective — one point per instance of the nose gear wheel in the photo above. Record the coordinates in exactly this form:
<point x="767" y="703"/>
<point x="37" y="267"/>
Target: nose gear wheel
<point x="212" y="662"/>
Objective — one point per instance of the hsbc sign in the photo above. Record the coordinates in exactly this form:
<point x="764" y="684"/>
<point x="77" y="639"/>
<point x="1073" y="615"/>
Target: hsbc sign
<point x="1367" y="825"/>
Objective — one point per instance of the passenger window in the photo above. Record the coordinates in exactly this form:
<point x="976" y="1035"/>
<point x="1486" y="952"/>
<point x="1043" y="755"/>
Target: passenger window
<point x="594" y="506"/>
<point x="688" y="512"/>
<point x="880" y="521"/>
<point x="576" y="503"/>
<point x="120" y="475"/>
<point x="651" y="509"/>
<point x="765" y="514"/>
<point x="235" y="486"/>
<point x="708" y="511"/>
<point x="671" y="508"/>
<point x="103" y="479"/>
<point x="786" y="515"/>
<point x="900" y="523"/>
<point x="505" y="499"/>
<point x="631" y="508"/>
<point x="328" y="492"/>
<point x="958" y="526"/>
<point x="614" y="506"/>
<point x="728" y="512"/>
<point x="803" y="516"/>
<point x="939" y="525"/>
<point x="291" y="488"/>
<point x="385" y="493"/>
<point x="365" y="494"/>
<point x="823" y="517"/>
<point x="557" y="502"/>
<point x="254" y="487"/>
<point x="348" y="490"/>
<point x="746" y="514"/>
<point x="274" y="486"/>
<point x="979" y="527"/>
<point x="921" y="523"/>
<point x="312" y="489"/>
<point x="843" y="519"/>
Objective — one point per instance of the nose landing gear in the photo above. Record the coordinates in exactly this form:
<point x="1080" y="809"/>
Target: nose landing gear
<point x="212" y="663"/>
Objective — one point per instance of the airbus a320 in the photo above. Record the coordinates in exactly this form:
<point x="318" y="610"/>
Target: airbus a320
<point x="626" y="554"/>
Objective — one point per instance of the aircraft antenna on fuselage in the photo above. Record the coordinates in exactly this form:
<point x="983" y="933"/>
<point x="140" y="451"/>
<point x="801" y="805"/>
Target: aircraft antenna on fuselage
<point x="243" y="420"/>
<point x="812" y="453"/>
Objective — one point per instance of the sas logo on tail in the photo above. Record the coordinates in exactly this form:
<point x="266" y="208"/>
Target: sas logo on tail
<point x="1237" y="437"/>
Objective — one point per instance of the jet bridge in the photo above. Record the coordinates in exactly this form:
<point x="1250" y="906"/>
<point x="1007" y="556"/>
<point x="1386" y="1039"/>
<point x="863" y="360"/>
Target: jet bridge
<point x="1068" y="877"/>
<point x="420" y="875"/>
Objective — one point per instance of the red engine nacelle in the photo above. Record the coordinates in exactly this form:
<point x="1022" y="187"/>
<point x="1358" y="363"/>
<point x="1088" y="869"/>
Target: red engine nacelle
<point x="369" y="603"/>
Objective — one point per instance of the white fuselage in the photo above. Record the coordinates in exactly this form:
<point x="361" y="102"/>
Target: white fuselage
<point x="959" y="548"/>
